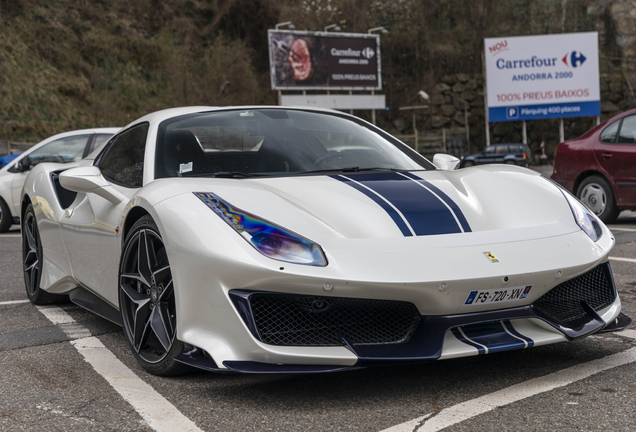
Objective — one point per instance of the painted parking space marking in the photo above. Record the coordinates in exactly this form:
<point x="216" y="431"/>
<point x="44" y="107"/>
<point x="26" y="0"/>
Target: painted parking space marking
<point x="10" y="302"/>
<point x="447" y="417"/>
<point x="632" y="260"/>
<point x="160" y="414"/>
<point x="11" y="235"/>
<point x="621" y="229"/>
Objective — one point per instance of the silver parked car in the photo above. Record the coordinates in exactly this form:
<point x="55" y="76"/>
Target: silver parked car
<point x="62" y="148"/>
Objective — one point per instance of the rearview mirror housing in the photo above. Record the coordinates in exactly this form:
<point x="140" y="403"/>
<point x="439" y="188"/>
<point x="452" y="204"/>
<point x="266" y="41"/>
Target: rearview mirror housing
<point x="23" y="164"/>
<point x="445" y="162"/>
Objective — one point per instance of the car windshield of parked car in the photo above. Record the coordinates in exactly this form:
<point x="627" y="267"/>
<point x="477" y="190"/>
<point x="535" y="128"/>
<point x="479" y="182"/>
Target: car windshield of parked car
<point x="276" y="142"/>
<point x="63" y="150"/>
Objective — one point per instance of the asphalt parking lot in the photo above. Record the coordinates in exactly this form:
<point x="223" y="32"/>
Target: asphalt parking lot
<point x="65" y="369"/>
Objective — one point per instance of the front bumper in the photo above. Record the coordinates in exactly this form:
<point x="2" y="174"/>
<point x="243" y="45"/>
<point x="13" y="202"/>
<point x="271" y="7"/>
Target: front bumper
<point x="576" y="308"/>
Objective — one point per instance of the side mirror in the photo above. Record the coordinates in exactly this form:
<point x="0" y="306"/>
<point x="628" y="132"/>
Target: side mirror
<point x="445" y="162"/>
<point x="24" y="164"/>
<point x="90" y="180"/>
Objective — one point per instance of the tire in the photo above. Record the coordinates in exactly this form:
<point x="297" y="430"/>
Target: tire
<point x="32" y="262"/>
<point x="597" y="195"/>
<point x="6" y="220"/>
<point x="468" y="164"/>
<point x="510" y="162"/>
<point x="147" y="301"/>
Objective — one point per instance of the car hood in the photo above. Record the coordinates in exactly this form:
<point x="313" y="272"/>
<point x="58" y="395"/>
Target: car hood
<point x="498" y="203"/>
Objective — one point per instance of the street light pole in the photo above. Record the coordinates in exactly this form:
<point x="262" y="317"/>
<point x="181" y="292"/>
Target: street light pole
<point x="288" y="24"/>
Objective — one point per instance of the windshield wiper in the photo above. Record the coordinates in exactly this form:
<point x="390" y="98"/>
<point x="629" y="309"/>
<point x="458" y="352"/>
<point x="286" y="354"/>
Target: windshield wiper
<point x="230" y="174"/>
<point x="350" y="169"/>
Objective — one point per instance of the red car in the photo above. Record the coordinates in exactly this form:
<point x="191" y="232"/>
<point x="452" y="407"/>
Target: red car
<point x="600" y="166"/>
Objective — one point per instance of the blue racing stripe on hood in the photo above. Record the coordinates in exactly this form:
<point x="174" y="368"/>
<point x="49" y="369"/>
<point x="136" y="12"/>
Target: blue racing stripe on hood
<point x="397" y="218"/>
<point x="420" y="207"/>
<point x="443" y="196"/>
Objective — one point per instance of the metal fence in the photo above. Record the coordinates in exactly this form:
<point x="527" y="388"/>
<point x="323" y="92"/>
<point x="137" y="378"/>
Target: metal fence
<point x="453" y="141"/>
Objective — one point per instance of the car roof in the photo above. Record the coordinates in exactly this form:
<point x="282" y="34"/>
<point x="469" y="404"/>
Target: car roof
<point x="159" y="116"/>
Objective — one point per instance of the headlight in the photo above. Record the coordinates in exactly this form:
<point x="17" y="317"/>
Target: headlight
<point x="584" y="217"/>
<point x="271" y="240"/>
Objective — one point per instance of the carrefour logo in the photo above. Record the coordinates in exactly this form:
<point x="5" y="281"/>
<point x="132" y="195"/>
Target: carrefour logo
<point x="533" y="62"/>
<point x="574" y="59"/>
<point x="368" y="53"/>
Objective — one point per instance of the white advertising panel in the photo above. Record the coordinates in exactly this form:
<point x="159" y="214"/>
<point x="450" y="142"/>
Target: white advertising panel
<point x="542" y="77"/>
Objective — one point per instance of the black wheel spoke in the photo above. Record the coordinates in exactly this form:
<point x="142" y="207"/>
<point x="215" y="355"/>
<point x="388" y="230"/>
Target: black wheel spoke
<point x="29" y="235"/>
<point x="141" y="325"/>
<point x="161" y="275"/>
<point x="143" y="259"/>
<point x="133" y="294"/>
<point x="167" y="292"/>
<point x="158" y="324"/>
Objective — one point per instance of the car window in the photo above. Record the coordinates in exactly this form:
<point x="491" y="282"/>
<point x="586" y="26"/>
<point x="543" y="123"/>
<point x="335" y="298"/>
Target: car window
<point x="97" y="141"/>
<point x="123" y="162"/>
<point x="489" y="149"/>
<point x="63" y="150"/>
<point x="627" y="134"/>
<point x="609" y="134"/>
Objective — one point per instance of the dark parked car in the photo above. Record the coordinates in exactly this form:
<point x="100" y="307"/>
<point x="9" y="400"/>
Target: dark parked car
<point x="514" y="154"/>
<point x="600" y="166"/>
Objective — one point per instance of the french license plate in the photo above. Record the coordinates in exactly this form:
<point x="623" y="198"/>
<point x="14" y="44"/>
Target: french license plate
<point x="497" y="295"/>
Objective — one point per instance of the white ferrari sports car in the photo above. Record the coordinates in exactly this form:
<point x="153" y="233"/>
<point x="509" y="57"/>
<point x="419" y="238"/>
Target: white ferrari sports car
<point x="62" y="148"/>
<point x="289" y="240"/>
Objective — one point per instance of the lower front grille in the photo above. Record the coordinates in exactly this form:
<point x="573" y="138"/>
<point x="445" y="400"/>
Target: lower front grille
<point x="563" y="302"/>
<point x="300" y="320"/>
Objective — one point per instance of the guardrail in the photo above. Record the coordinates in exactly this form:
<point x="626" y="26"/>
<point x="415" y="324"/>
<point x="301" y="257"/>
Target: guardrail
<point x="452" y="141"/>
<point x="8" y="147"/>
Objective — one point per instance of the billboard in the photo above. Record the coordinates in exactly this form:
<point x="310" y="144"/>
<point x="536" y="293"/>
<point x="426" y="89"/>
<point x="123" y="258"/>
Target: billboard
<point x="303" y="60"/>
<point x="542" y="77"/>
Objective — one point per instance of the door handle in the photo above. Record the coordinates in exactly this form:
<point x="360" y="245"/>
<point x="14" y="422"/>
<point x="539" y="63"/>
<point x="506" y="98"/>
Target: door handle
<point x="607" y="155"/>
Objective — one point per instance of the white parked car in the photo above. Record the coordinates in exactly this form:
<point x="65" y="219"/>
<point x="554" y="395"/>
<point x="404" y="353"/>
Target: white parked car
<point x="62" y="148"/>
<point x="280" y="240"/>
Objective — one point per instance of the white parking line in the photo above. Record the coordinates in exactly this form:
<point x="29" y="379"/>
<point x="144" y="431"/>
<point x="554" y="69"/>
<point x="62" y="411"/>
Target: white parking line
<point x="160" y="414"/>
<point x="621" y="229"/>
<point x="632" y="260"/>
<point x="10" y="235"/>
<point x="10" y="302"/>
<point x="463" y="411"/>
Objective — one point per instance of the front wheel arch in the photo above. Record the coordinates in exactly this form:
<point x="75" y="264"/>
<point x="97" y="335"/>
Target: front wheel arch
<point x="133" y="216"/>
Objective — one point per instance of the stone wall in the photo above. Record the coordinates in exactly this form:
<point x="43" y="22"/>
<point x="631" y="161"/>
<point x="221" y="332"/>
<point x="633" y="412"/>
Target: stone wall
<point x="616" y="24"/>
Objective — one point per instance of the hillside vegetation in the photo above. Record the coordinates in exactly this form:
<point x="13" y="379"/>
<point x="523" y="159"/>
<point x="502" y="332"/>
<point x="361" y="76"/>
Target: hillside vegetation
<point x="68" y="64"/>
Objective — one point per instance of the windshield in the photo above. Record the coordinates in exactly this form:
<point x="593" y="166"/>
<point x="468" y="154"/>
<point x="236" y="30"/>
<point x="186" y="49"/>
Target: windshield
<point x="275" y="142"/>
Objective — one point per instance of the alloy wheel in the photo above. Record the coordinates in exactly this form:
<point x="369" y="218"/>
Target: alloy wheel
<point x="147" y="296"/>
<point x="31" y="254"/>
